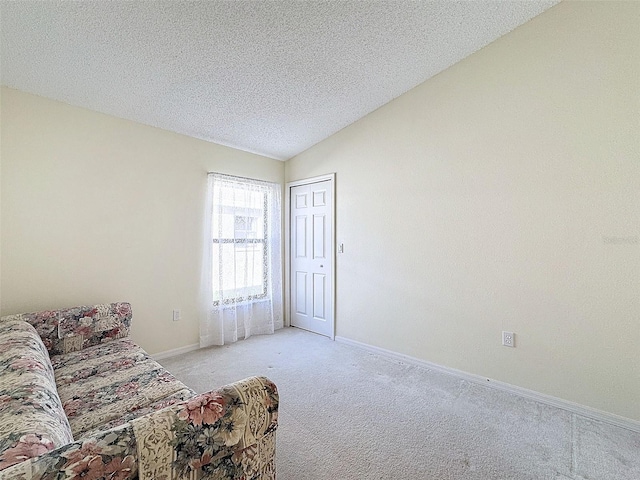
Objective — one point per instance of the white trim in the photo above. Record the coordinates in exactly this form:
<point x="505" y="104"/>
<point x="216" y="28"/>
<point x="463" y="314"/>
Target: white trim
<point x="287" y="246"/>
<point x="308" y="181"/>
<point x="286" y="197"/>
<point x="175" y="351"/>
<point x="595" y="414"/>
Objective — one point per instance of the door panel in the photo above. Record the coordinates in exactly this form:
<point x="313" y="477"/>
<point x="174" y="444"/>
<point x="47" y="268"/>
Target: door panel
<point x="312" y="257"/>
<point x="319" y="296"/>
<point x="301" y="200"/>
<point x="301" y="293"/>
<point x="319" y="198"/>
<point x="301" y="236"/>
<point x="319" y="236"/>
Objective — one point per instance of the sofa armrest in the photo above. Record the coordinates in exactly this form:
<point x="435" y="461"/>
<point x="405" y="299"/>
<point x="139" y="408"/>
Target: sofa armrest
<point x="225" y="434"/>
<point x="70" y="329"/>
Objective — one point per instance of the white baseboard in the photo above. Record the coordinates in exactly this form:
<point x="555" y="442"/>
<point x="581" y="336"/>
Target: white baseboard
<point x="175" y="351"/>
<point x="576" y="408"/>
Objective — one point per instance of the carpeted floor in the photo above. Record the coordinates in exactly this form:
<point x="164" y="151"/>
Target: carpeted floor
<point x="349" y="414"/>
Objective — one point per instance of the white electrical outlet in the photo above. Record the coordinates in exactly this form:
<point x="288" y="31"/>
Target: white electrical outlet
<point x="176" y="315"/>
<point x="508" y="339"/>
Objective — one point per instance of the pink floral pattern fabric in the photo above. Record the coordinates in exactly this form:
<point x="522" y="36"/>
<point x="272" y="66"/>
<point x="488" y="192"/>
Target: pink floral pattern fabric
<point x="168" y="401"/>
<point x="71" y="329"/>
<point x="111" y="455"/>
<point x="131" y="418"/>
<point x="226" y="435"/>
<point x="102" y="385"/>
<point x="32" y="421"/>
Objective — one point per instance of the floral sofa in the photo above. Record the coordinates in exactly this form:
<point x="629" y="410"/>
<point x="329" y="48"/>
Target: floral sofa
<point x="80" y="400"/>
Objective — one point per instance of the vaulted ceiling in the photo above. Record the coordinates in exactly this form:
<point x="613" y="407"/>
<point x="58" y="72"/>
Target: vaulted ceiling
<point x="269" y="77"/>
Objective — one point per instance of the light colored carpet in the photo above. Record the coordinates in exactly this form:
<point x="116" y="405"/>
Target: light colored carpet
<point x="346" y="413"/>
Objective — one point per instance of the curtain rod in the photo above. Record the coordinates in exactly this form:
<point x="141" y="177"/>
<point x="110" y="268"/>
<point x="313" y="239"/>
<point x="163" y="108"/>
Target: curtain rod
<point x="243" y="178"/>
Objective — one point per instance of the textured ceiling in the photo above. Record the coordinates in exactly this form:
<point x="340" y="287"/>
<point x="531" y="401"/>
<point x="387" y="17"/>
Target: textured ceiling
<point x="270" y="77"/>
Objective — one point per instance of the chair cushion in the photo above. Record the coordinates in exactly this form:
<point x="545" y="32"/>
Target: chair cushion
<point x="32" y="420"/>
<point x="109" y="384"/>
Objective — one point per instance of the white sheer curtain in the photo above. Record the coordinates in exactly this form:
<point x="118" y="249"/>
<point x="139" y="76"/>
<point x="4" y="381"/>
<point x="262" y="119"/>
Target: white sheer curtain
<point x="242" y="268"/>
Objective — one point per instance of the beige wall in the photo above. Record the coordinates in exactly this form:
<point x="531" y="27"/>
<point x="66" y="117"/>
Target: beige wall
<point x="99" y="209"/>
<point x="503" y="194"/>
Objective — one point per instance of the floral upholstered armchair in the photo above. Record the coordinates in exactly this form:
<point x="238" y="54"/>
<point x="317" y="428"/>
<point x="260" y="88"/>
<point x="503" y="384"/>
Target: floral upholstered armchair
<point x="80" y="400"/>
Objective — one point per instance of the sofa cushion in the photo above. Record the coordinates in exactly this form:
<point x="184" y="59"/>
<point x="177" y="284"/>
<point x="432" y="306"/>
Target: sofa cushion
<point x="72" y="329"/>
<point x="81" y="327"/>
<point x="108" y="384"/>
<point x="32" y="420"/>
<point x="172" y="399"/>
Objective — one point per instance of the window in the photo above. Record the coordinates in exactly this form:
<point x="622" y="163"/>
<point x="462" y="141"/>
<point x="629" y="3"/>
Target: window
<point x="241" y="247"/>
<point x="241" y="283"/>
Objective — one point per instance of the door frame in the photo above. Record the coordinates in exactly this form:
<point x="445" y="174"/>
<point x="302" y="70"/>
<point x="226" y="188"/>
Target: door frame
<point x="287" y="247"/>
